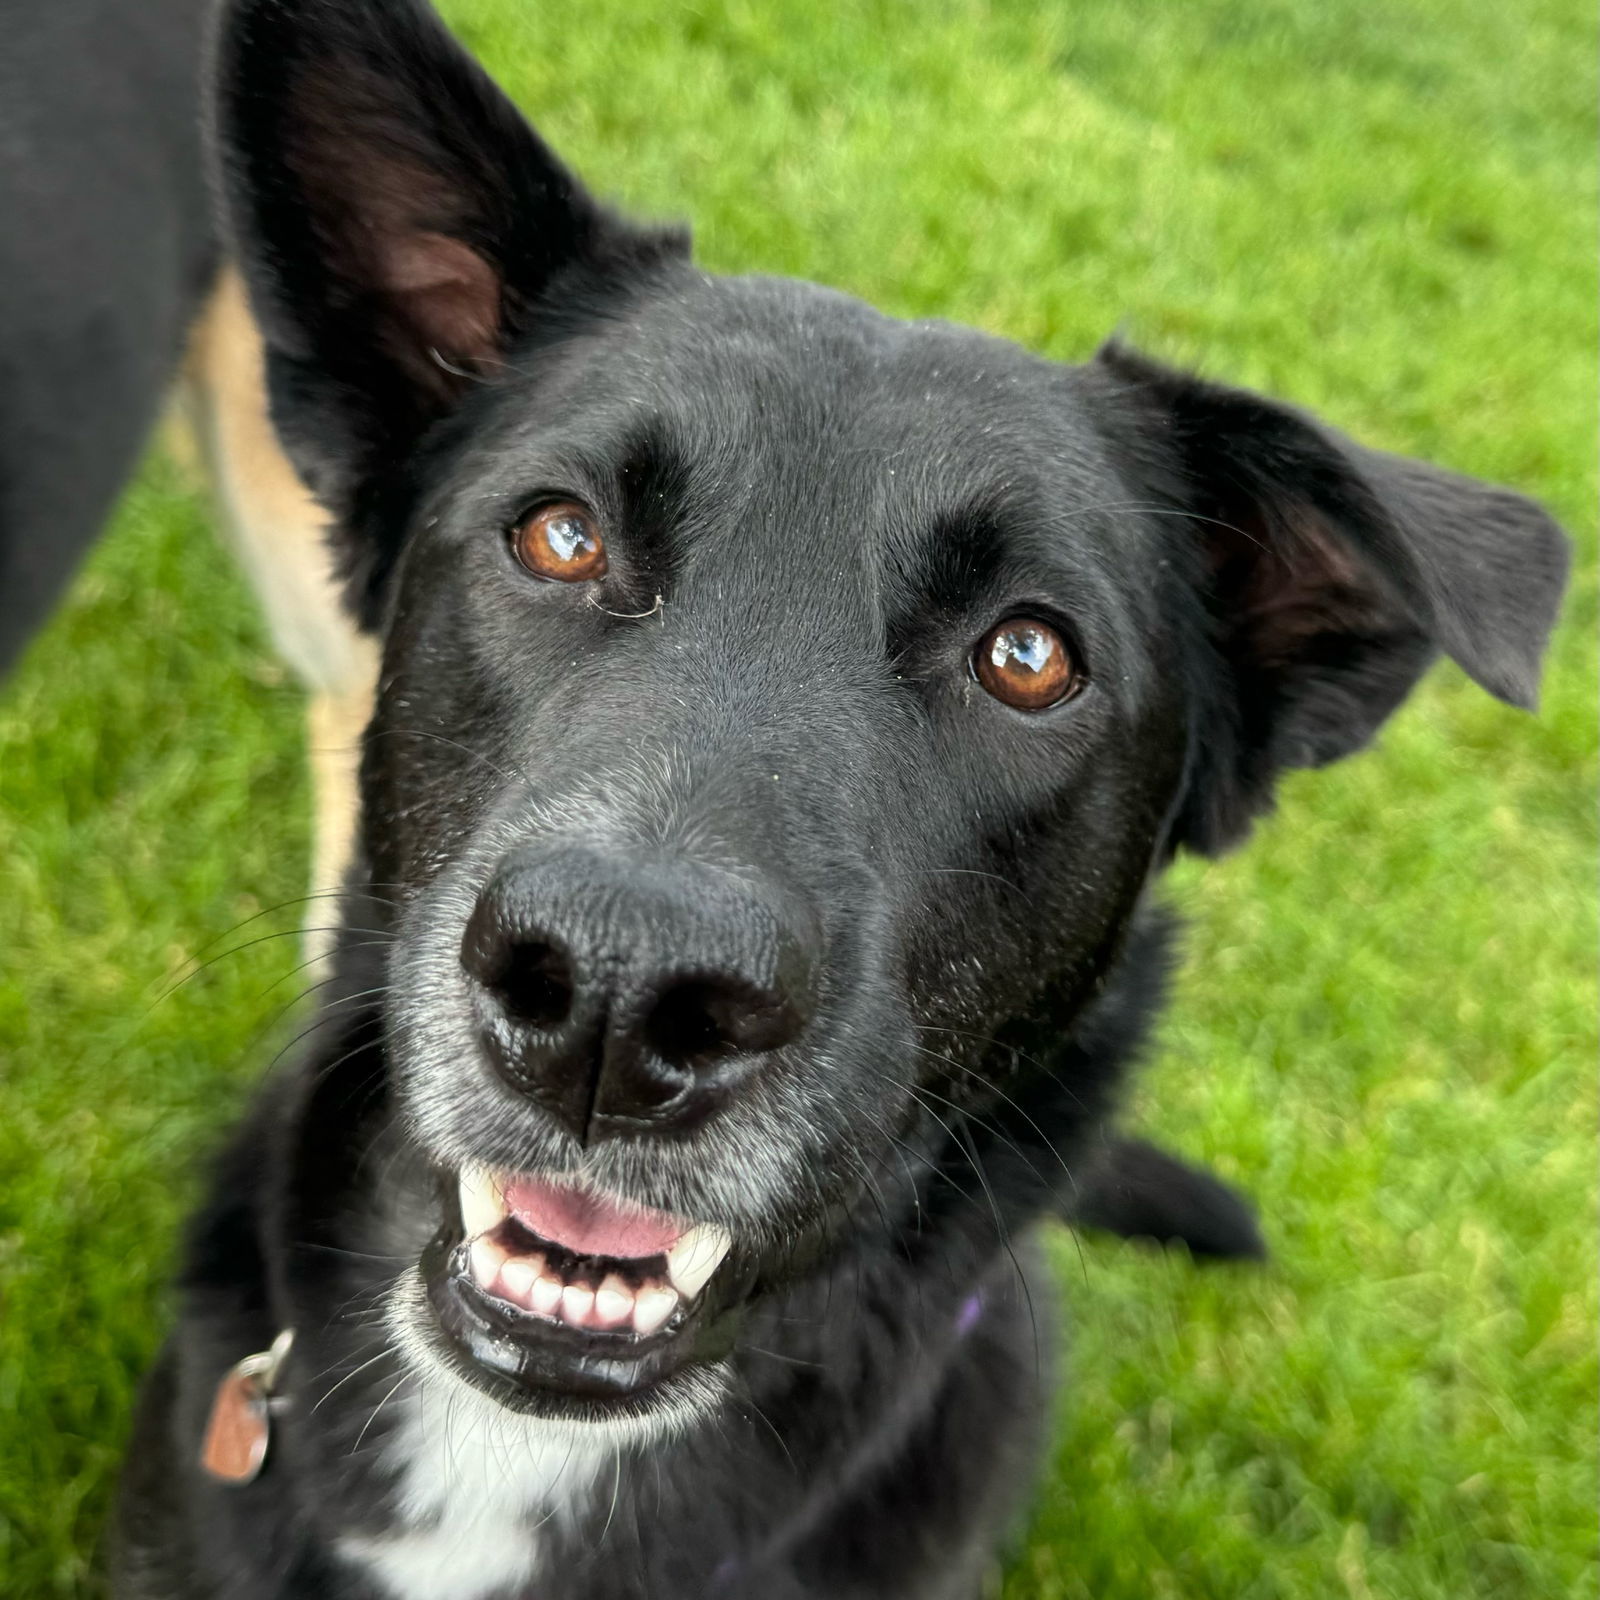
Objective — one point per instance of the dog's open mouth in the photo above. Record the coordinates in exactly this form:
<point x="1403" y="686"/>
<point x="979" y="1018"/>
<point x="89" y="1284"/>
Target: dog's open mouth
<point x="581" y="1259"/>
<point x="567" y="1292"/>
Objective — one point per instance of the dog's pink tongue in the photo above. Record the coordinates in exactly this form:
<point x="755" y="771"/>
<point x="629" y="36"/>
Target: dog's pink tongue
<point x="589" y="1224"/>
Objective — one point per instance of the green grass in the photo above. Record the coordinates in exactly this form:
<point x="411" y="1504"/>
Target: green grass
<point x="1385" y="1028"/>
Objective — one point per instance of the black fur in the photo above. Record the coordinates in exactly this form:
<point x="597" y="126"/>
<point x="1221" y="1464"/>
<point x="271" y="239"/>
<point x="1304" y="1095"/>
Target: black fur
<point x="106" y="247"/>
<point x="813" y="513"/>
<point x="1139" y="1192"/>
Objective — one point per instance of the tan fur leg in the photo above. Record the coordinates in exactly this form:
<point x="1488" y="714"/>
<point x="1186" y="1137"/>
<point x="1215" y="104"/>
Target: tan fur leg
<point x="278" y="531"/>
<point x="335" y="723"/>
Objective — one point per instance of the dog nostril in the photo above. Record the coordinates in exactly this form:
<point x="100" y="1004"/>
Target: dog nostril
<point x="535" y="985"/>
<point x="530" y="977"/>
<point x="682" y="1027"/>
<point x="697" y="1022"/>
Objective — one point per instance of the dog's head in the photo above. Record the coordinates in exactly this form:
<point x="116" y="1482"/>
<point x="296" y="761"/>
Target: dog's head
<point x="781" y="704"/>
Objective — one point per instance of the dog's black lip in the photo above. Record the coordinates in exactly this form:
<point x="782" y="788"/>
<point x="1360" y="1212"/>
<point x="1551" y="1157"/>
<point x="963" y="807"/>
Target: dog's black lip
<point x="531" y="1363"/>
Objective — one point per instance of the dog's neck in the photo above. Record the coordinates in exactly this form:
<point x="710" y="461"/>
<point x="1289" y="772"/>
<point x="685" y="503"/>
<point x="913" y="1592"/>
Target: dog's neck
<point x="482" y="1495"/>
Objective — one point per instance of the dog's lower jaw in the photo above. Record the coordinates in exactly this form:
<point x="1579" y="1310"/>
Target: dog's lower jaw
<point x="687" y="1398"/>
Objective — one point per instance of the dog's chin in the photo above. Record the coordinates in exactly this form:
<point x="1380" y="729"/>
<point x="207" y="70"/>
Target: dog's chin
<point x="575" y="1307"/>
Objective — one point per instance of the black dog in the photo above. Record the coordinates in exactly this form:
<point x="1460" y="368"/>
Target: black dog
<point x="784" y="714"/>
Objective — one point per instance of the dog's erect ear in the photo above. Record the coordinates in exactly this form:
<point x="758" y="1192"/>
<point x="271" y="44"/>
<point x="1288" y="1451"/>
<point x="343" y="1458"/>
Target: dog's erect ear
<point x="398" y="224"/>
<point x="1332" y="575"/>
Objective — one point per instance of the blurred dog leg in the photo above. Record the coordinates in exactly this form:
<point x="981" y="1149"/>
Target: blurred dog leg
<point x="278" y="531"/>
<point x="334" y="724"/>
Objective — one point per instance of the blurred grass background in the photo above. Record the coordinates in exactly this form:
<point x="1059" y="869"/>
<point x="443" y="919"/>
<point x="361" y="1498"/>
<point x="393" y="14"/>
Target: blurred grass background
<point x="1386" y="1026"/>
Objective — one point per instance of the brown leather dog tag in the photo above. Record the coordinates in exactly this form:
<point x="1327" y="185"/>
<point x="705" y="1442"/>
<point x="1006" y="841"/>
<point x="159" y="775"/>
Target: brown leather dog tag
<point x="237" y="1434"/>
<point x="240" y="1425"/>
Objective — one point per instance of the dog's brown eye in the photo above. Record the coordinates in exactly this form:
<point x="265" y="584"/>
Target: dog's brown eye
<point x="561" y="541"/>
<point x="1026" y="664"/>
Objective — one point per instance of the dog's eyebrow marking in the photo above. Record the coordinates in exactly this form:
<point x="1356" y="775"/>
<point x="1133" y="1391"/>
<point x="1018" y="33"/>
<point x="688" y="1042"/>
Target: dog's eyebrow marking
<point x="652" y="477"/>
<point x="961" y="552"/>
<point x="939" y="569"/>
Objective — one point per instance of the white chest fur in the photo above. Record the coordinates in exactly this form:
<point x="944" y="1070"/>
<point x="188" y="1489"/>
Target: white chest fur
<point x="480" y="1488"/>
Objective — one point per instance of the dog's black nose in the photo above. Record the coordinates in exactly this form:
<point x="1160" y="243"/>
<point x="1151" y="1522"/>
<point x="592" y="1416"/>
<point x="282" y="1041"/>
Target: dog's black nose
<point x="628" y="991"/>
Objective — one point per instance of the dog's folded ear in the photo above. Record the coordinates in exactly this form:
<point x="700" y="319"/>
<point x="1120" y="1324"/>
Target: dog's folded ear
<point x="1332" y="575"/>
<point x="398" y="224"/>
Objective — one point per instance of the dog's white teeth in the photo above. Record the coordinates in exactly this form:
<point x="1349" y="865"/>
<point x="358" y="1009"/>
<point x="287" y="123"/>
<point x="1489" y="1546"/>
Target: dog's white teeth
<point x="517" y="1277"/>
<point x="651" y="1308"/>
<point x="576" y="1304"/>
<point x="613" y="1303"/>
<point x="530" y="1283"/>
<point x="692" y="1260"/>
<point x="482" y="1205"/>
<point x="487" y="1259"/>
<point x="534" y="1283"/>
